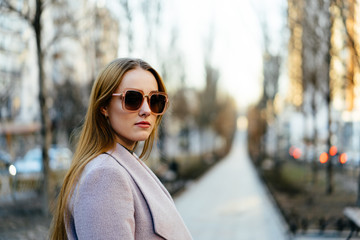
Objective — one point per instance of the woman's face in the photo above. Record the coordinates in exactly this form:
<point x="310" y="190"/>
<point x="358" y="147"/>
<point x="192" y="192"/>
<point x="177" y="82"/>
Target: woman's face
<point x="131" y="127"/>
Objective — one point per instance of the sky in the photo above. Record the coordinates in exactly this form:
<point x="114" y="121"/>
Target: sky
<point x="235" y="29"/>
<point x="237" y="47"/>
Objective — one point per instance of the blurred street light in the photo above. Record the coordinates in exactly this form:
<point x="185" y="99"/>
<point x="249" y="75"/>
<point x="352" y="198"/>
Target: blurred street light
<point x="343" y="158"/>
<point x="12" y="170"/>
<point x="295" y="152"/>
<point x="324" y="157"/>
<point x="333" y="151"/>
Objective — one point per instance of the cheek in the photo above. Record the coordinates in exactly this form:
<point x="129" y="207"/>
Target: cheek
<point x="121" y="119"/>
<point x="117" y="115"/>
<point x="153" y="120"/>
<point x="115" y="110"/>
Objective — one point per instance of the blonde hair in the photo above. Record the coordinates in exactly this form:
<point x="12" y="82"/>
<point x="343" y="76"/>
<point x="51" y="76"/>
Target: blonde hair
<point x="96" y="127"/>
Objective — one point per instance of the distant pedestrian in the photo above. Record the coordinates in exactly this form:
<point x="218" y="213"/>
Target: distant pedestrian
<point x="109" y="193"/>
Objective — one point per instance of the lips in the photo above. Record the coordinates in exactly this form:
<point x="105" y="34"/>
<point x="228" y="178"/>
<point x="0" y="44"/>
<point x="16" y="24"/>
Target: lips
<point x="143" y="124"/>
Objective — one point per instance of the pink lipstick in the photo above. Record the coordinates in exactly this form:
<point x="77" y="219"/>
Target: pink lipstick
<point x="143" y="124"/>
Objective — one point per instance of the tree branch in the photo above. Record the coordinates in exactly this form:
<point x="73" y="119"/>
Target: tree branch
<point x="7" y="5"/>
<point x="350" y="38"/>
<point x="58" y="37"/>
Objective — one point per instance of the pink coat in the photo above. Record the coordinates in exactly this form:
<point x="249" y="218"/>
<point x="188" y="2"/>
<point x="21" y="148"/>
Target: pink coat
<point x="119" y="197"/>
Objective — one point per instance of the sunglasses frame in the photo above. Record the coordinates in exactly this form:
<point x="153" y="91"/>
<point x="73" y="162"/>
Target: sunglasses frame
<point x="148" y="96"/>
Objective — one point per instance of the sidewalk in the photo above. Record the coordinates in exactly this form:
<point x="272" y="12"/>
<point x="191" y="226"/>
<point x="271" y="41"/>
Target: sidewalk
<point x="229" y="202"/>
<point x="23" y="219"/>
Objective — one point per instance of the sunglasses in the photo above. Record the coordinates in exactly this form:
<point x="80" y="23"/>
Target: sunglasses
<point x="132" y="100"/>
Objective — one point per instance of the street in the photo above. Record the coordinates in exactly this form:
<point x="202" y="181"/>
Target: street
<point x="230" y="202"/>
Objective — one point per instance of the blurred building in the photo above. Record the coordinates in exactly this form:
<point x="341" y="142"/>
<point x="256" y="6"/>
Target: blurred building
<point x="295" y="15"/>
<point x="86" y="37"/>
<point x="79" y="37"/>
<point x="344" y="72"/>
<point x="324" y="72"/>
<point x="16" y="73"/>
<point x="105" y="38"/>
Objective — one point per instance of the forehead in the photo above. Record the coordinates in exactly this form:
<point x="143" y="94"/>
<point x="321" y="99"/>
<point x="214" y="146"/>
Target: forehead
<point x="139" y="78"/>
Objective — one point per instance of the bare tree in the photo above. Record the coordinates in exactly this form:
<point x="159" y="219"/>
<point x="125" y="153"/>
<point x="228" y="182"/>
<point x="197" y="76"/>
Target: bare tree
<point x="347" y="13"/>
<point x="152" y="14"/>
<point x="68" y="102"/>
<point x="316" y="58"/>
<point x="33" y="14"/>
<point x="181" y="110"/>
<point x="305" y="78"/>
<point x="225" y="121"/>
<point x="35" y="22"/>
<point x="257" y="128"/>
<point x="11" y="48"/>
<point x="129" y="18"/>
<point x="271" y="73"/>
<point x="207" y="100"/>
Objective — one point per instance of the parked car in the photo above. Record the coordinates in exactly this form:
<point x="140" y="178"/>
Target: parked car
<point x="29" y="169"/>
<point x="60" y="159"/>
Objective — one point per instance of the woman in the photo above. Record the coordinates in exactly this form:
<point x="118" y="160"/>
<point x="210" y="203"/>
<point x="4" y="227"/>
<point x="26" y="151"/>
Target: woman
<point x="109" y="193"/>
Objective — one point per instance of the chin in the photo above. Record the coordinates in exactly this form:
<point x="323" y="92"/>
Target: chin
<point x="143" y="137"/>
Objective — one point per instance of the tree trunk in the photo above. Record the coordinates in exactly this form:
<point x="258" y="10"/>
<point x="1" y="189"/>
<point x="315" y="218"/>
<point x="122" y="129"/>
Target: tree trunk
<point x="45" y="118"/>
<point x="329" y="169"/>
<point x="358" y="193"/>
<point x="314" y="161"/>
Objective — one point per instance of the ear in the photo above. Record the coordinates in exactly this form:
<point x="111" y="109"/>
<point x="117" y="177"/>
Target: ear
<point x="103" y="110"/>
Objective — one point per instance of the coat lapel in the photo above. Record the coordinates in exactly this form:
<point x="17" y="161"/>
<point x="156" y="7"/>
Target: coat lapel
<point x="166" y="220"/>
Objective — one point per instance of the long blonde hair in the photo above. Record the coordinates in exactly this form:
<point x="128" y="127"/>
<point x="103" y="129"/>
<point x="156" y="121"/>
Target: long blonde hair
<point x="96" y="136"/>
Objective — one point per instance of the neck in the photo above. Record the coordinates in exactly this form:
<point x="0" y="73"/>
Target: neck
<point x="130" y="150"/>
<point x="129" y="145"/>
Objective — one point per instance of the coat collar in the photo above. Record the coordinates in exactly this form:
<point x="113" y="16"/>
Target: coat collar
<point x="161" y="205"/>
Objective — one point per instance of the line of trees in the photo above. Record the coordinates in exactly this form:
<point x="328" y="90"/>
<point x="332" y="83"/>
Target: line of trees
<point x="63" y="33"/>
<point x="314" y="53"/>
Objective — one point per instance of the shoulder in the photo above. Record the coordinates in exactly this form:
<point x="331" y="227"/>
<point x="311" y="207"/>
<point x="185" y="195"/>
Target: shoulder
<point x="104" y="173"/>
<point x="100" y="175"/>
<point x="103" y="203"/>
<point x="101" y="161"/>
<point x="103" y="165"/>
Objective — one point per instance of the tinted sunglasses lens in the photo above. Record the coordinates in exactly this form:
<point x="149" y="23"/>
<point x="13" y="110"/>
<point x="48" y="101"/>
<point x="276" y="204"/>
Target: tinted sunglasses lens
<point x="157" y="103"/>
<point x="133" y="100"/>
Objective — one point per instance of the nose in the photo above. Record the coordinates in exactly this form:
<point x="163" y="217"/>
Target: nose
<point x="145" y="108"/>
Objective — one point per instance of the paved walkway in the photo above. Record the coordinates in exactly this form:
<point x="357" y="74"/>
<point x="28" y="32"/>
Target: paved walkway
<point x="230" y="203"/>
